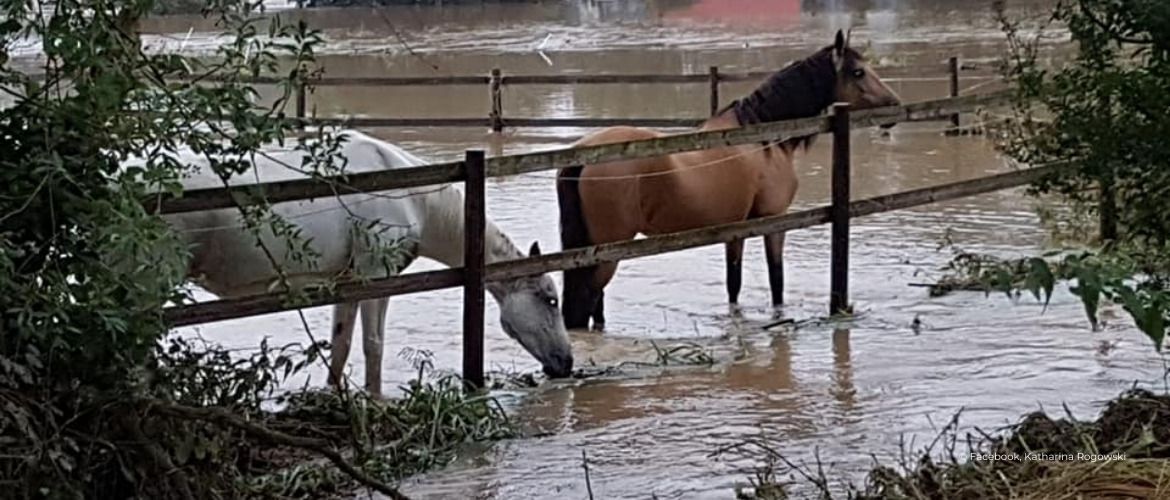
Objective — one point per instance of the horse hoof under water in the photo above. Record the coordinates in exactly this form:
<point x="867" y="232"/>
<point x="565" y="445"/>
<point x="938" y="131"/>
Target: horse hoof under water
<point x="616" y="201"/>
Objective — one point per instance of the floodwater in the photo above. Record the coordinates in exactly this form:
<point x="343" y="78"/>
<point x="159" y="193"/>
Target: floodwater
<point x="846" y="390"/>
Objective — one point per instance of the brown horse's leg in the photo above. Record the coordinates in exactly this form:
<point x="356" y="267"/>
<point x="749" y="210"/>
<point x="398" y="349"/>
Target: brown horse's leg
<point x="602" y="278"/>
<point x="599" y="313"/>
<point x="580" y="297"/>
<point x="774" y="249"/>
<point x="579" y="293"/>
<point x="734" y="253"/>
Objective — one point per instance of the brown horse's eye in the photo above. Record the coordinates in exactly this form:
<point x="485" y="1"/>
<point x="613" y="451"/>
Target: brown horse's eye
<point x="859" y="73"/>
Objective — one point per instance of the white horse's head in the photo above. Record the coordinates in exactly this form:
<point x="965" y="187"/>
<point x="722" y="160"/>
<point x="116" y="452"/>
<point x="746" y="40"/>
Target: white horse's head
<point x="531" y="314"/>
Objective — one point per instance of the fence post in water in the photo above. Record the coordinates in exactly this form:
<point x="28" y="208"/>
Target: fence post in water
<point x="953" y="63"/>
<point x="474" y="223"/>
<point x="301" y="104"/>
<point x="497" y="114"/>
<point x="713" y="71"/>
<point x="839" y="213"/>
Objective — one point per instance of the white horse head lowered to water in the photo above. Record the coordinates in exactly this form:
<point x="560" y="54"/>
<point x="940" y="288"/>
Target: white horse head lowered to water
<point x="227" y="261"/>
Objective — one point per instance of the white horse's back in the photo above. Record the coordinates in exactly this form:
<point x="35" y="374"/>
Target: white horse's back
<point x="363" y="152"/>
<point x="226" y="257"/>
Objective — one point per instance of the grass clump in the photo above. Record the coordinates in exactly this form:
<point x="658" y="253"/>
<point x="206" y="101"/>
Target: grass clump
<point x="1123" y="454"/>
<point x="389" y="439"/>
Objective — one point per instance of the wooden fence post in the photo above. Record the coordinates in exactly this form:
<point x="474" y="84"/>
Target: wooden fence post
<point x="713" y="71"/>
<point x="1107" y="210"/>
<point x="497" y="113"/>
<point x="954" y="70"/>
<point x="474" y="223"/>
<point x="301" y="104"/>
<point x="839" y="213"/>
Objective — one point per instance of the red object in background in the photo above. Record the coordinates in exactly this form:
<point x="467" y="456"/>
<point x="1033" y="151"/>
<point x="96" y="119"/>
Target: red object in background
<point x="756" y="11"/>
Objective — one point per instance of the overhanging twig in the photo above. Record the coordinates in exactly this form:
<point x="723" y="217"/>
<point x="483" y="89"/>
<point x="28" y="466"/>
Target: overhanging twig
<point x="223" y="417"/>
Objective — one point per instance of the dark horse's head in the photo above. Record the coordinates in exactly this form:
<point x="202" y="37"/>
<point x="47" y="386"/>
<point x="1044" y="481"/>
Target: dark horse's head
<point x="805" y="88"/>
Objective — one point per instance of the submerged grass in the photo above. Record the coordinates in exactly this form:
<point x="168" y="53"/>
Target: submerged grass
<point x="1123" y="454"/>
<point x="686" y="354"/>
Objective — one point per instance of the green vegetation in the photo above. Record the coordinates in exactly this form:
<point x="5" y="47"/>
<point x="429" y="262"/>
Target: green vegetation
<point x="95" y="400"/>
<point x="1125" y="453"/>
<point x="1100" y="114"/>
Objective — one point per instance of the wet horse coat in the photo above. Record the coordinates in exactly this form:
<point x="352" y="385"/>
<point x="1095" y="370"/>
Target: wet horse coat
<point x="616" y="201"/>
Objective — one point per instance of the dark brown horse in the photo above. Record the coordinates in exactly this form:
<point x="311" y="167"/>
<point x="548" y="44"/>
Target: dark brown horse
<point x="616" y="201"/>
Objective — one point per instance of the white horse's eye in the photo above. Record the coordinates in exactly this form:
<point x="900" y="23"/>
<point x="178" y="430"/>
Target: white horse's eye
<point x="552" y="301"/>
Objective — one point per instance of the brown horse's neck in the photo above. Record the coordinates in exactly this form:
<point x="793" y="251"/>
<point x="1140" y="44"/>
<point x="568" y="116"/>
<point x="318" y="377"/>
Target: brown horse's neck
<point x="801" y="90"/>
<point x="722" y="120"/>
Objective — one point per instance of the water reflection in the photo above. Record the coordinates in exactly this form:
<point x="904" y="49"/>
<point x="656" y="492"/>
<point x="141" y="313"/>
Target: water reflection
<point x="843" y="390"/>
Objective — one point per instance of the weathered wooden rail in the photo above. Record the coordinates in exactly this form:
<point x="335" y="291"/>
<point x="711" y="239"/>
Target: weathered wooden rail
<point x="496" y="81"/>
<point x="475" y="169"/>
<point x="503" y="166"/>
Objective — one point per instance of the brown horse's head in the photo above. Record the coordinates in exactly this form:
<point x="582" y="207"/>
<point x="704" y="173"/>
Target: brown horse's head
<point x="857" y="83"/>
<point x="807" y="87"/>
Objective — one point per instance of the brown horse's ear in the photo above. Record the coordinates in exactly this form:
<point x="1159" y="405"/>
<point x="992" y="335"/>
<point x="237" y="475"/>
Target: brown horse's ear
<point x="534" y="250"/>
<point x="839" y="50"/>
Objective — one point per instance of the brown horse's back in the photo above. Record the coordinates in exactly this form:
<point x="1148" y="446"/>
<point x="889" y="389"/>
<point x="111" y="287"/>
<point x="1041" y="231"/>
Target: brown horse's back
<point x="664" y="194"/>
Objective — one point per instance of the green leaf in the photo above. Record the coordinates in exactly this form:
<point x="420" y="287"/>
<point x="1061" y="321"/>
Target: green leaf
<point x="1044" y="277"/>
<point x="1155" y="326"/>
<point x="1090" y="295"/>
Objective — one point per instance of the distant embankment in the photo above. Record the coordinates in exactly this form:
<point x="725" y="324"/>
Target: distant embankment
<point x="369" y="3"/>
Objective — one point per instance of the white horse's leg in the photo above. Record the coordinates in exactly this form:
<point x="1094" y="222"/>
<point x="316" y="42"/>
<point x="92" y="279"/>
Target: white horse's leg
<point x="373" y="326"/>
<point x="344" y="316"/>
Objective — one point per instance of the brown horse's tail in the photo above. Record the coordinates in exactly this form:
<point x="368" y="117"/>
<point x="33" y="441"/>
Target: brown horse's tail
<point x="580" y="288"/>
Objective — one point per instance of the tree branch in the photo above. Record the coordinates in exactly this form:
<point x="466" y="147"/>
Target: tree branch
<point x="322" y="447"/>
<point x="1109" y="30"/>
<point x="179" y="480"/>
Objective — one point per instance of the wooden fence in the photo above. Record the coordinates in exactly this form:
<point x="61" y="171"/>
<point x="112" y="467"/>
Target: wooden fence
<point x="495" y="82"/>
<point x="475" y="168"/>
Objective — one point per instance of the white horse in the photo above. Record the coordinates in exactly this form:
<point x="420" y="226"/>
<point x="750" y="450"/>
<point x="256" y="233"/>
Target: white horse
<point x="227" y="262"/>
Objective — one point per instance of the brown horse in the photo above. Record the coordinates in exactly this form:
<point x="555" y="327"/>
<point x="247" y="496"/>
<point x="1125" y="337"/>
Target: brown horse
<point x="616" y="201"/>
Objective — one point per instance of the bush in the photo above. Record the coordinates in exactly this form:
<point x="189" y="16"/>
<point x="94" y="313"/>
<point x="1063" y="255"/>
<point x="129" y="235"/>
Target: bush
<point x="93" y="402"/>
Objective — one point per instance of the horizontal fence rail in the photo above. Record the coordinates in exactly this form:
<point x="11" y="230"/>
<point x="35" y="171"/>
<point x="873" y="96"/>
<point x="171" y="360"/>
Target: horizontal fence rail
<point x="496" y="81"/>
<point x="508" y="165"/>
<point x="226" y="309"/>
<point x="360" y="122"/>
<point x="629" y="78"/>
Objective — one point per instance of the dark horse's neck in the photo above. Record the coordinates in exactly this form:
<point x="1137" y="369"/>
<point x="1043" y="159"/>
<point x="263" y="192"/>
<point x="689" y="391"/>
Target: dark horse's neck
<point x="801" y="90"/>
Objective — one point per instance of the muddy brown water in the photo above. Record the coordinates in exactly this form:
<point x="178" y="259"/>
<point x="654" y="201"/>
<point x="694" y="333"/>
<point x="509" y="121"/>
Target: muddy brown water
<point x="846" y="390"/>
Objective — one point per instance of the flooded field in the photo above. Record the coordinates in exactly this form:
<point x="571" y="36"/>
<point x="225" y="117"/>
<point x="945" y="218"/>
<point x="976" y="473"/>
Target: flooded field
<point x="846" y="390"/>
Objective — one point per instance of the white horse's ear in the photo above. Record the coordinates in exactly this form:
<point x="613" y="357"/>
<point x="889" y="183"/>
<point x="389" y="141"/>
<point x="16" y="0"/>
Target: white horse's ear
<point x="534" y="250"/>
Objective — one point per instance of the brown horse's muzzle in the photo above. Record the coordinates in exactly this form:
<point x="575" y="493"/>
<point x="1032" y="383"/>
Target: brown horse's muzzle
<point x="891" y="102"/>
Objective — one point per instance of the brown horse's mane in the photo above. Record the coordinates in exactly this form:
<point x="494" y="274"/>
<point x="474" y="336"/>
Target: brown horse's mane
<point x="803" y="89"/>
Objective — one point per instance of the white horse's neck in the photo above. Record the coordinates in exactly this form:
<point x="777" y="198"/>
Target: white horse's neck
<point x="442" y="239"/>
